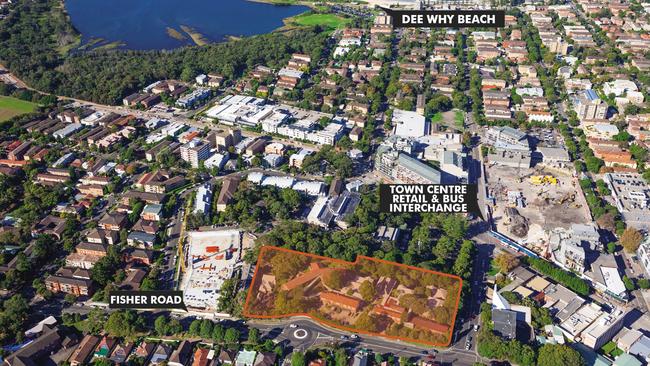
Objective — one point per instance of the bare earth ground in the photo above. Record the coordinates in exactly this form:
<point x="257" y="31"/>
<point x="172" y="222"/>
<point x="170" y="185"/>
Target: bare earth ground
<point x="544" y="209"/>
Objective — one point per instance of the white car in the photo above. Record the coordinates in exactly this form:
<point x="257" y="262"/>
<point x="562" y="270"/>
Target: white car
<point x="293" y="326"/>
<point x="476" y="327"/>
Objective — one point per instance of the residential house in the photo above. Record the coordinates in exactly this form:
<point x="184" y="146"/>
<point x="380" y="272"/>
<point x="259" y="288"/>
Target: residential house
<point x="114" y="221"/>
<point x="104" y="347"/>
<point x="121" y="353"/>
<point x="84" y="351"/>
<point x="245" y="358"/>
<point x="182" y="355"/>
<point x="143" y="351"/>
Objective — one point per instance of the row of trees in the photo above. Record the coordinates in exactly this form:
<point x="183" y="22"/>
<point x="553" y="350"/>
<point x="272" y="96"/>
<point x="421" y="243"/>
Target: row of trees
<point x="566" y="278"/>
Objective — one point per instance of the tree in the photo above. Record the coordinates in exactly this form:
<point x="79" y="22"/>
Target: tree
<point x="103" y="271"/>
<point x="123" y="324"/>
<point x="206" y="329"/>
<point x="459" y="100"/>
<point x="70" y="298"/>
<point x="629" y="283"/>
<point x="253" y="336"/>
<point x="366" y="322"/>
<point x="175" y="326"/>
<point x="340" y="357"/>
<point x="367" y="291"/>
<point x="232" y="336"/>
<point x="103" y="362"/>
<point x="622" y="136"/>
<point x="217" y="333"/>
<point x="297" y="359"/>
<point x="631" y="239"/>
<point x="558" y="354"/>
<point x="611" y="247"/>
<point x="195" y="327"/>
<point x="506" y="262"/>
<point x="607" y="222"/>
<point x="334" y="279"/>
<point x="643" y="283"/>
<point x="463" y="264"/>
<point x="12" y="318"/>
<point x="160" y="325"/>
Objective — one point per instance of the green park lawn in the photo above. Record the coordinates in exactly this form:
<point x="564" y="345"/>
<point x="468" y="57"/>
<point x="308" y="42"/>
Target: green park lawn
<point x="436" y="118"/>
<point x="324" y="20"/>
<point x="11" y="107"/>
<point x="459" y="119"/>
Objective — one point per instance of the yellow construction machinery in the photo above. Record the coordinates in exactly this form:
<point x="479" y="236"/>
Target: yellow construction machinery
<point x="543" y="179"/>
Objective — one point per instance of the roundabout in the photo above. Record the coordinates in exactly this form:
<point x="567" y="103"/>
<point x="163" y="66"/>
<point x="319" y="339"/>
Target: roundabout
<point x="300" y="334"/>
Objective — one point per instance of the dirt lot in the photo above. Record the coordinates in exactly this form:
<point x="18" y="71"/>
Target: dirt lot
<point x="546" y="206"/>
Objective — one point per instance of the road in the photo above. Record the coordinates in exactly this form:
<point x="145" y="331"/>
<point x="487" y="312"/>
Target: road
<point x="640" y="298"/>
<point x="308" y="333"/>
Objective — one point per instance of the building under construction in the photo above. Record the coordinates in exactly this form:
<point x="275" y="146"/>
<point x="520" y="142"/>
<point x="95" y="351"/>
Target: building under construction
<point x="211" y="259"/>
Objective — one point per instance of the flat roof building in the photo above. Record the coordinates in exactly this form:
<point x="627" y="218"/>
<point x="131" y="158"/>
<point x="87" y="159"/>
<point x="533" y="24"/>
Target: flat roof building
<point x="409" y="124"/>
<point x="603" y="329"/>
<point x="195" y="152"/>
<point x="203" y="200"/>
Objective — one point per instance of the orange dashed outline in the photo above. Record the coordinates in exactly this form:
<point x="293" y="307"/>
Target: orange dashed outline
<point x="246" y="313"/>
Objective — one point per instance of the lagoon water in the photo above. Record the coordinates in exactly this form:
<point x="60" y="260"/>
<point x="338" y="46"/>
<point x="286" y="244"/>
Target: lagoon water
<point x="143" y="24"/>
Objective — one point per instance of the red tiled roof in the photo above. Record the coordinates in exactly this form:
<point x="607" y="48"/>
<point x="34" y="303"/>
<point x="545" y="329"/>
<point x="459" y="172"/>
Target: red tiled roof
<point x="422" y="323"/>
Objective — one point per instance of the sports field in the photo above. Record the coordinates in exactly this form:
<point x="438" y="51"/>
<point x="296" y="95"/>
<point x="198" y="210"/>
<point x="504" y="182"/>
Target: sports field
<point x="324" y="20"/>
<point x="11" y="107"/>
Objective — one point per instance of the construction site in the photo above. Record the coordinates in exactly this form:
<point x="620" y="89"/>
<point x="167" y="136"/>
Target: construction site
<point x="529" y="202"/>
<point x="212" y="257"/>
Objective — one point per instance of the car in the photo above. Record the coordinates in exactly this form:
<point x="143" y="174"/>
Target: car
<point x="425" y="352"/>
<point x="354" y="336"/>
<point x="344" y="337"/>
<point x="476" y="326"/>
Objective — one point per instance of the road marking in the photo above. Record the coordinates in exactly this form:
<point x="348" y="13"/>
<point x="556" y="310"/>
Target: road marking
<point x="300" y="334"/>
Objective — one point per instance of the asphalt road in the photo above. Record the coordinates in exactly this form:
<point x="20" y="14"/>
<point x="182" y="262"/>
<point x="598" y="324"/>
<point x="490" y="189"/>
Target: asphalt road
<point x="307" y="334"/>
<point x="302" y="333"/>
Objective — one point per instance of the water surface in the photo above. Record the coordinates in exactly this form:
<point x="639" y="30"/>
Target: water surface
<point x="144" y="24"/>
